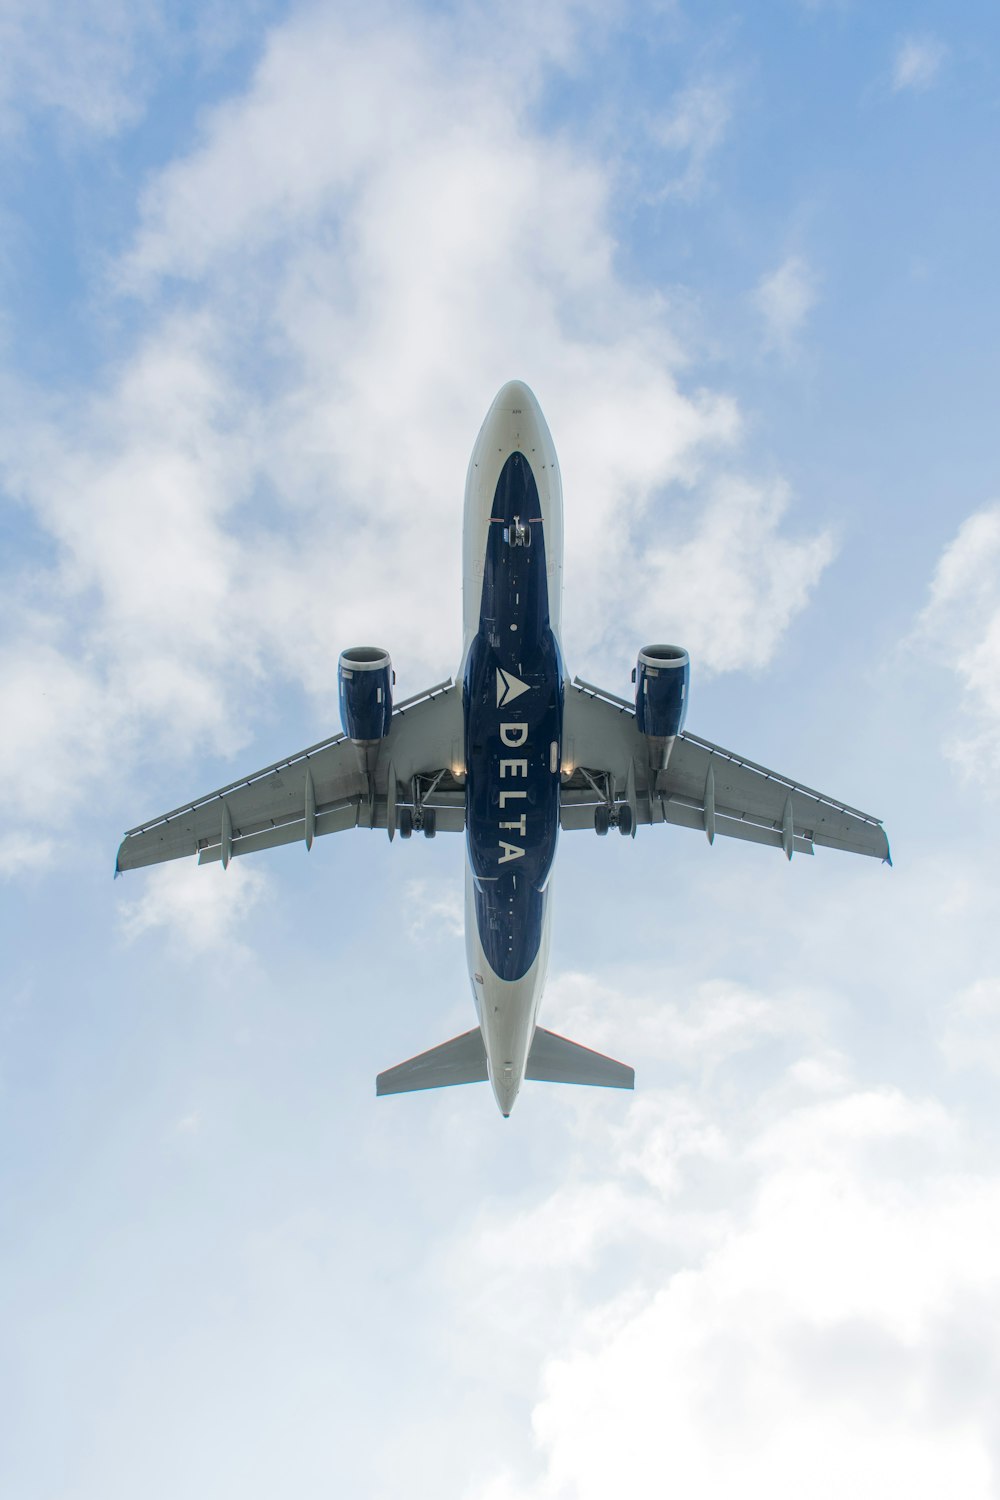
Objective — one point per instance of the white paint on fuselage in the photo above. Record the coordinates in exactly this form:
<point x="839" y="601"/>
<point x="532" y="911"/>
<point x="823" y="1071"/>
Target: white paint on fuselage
<point x="507" y="1009"/>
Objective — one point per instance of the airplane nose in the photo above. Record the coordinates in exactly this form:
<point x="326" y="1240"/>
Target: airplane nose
<point x="516" y="417"/>
<point x="515" y="396"/>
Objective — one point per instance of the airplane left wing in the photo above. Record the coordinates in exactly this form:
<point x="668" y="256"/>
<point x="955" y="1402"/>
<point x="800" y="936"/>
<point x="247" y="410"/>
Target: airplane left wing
<point x="405" y="779"/>
<point x="703" y="786"/>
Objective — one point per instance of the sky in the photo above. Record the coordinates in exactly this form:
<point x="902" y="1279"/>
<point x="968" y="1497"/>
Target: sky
<point x="263" y="268"/>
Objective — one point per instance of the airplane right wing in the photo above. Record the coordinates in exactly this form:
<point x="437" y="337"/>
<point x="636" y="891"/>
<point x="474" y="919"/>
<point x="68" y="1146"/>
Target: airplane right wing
<point x="409" y="778"/>
<point x="703" y="786"/>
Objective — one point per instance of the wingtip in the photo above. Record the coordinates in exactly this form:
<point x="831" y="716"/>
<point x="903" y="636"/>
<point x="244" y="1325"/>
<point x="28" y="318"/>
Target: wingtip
<point x="118" y="859"/>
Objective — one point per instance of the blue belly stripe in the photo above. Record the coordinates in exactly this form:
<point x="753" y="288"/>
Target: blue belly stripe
<point x="513" y="697"/>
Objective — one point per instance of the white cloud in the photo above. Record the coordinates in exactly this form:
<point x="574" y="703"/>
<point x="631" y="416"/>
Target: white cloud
<point x="91" y="65"/>
<point x="20" y="852"/>
<point x="734" y="582"/>
<point x="961" y="627"/>
<point x="434" y="907"/>
<point x="80" y="61"/>
<point x="710" y="1021"/>
<point x="917" y="62"/>
<point x="809" y="1348"/>
<point x="829" y="1321"/>
<point x="694" y="128"/>
<point x="784" y="299"/>
<point x="58" y="734"/>
<point x="197" y="910"/>
<point x="357" y="121"/>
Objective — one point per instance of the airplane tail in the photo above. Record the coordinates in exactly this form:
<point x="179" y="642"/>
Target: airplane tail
<point x="552" y="1059"/>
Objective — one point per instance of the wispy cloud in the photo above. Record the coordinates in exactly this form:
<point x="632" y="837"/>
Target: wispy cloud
<point x="691" y="131"/>
<point x="22" y="852"/>
<point x="735" y="582"/>
<point x="715" y="1021"/>
<point x="82" y="63"/>
<point x="917" y="62"/>
<point x="960" y="625"/>
<point x="433" y="908"/>
<point x="784" y="298"/>
<point x="197" y="910"/>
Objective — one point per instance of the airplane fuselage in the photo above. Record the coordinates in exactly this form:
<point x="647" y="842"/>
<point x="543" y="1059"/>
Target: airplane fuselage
<point x="512" y="678"/>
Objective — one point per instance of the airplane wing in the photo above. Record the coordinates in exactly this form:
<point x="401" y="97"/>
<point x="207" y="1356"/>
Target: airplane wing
<point x="703" y="786"/>
<point x="327" y="788"/>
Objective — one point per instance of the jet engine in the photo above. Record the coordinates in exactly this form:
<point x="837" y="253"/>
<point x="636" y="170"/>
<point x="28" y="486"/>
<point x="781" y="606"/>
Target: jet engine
<point x="365" y="678"/>
<point x="661" y="689"/>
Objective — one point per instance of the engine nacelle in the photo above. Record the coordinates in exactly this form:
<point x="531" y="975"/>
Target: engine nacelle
<point x="365" y="678"/>
<point x="661" y="690"/>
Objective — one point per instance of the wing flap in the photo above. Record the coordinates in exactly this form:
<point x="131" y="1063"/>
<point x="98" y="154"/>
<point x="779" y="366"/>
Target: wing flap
<point x="335" y="820"/>
<point x="574" y="816"/>
<point x="731" y="825"/>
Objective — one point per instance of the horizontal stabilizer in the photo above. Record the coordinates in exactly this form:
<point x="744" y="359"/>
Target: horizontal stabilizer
<point x="553" y="1059"/>
<point x="462" y="1060"/>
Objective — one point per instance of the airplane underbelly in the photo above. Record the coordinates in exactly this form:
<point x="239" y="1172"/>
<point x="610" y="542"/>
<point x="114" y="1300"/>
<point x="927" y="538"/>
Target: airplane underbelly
<point x="513" y="703"/>
<point x="513" y="697"/>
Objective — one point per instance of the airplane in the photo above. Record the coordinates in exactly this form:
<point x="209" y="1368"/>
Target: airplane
<point x="511" y="754"/>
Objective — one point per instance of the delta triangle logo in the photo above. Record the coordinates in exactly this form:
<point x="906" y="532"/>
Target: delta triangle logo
<point x="509" y="687"/>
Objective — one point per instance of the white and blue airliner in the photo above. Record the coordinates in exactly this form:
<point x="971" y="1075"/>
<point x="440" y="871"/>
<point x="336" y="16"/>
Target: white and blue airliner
<point x="510" y="754"/>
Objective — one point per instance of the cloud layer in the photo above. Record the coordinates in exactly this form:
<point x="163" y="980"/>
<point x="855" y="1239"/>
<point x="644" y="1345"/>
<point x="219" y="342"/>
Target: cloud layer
<point x="768" y="1275"/>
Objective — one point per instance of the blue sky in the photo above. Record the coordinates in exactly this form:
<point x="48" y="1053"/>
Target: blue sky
<point x="262" y="270"/>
